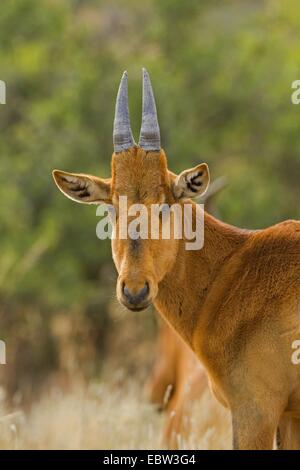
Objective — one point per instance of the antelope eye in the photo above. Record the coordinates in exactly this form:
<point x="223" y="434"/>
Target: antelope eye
<point x="165" y="209"/>
<point x="112" y="211"/>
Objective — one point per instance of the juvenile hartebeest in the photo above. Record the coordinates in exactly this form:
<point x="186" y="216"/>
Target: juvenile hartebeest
<point x="235" y="302"/>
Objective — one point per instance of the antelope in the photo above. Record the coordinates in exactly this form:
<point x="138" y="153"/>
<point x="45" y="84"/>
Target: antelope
<point x="235" y="301"/>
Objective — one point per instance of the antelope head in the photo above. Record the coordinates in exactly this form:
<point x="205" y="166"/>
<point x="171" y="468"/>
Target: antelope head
<point x="139" y="172"/>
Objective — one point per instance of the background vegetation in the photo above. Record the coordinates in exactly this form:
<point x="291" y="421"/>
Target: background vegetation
<point x="222" y="74"/>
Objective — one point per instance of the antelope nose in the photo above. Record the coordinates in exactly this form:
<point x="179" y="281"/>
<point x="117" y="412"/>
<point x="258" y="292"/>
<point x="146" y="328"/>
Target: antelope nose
<point x="136" y="298"/>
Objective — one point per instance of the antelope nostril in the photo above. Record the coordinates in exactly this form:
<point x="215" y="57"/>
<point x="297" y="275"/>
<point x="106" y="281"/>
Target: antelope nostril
<point x="126" y="291"/>
<point x="145" y="290"/>
<point x="136" y="299"/>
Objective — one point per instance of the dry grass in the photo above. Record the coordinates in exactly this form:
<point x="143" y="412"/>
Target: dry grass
<point x="107" y="416"/>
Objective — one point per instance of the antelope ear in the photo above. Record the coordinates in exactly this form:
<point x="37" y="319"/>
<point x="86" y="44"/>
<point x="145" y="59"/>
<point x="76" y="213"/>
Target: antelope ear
<point x="83" y="188"/>
<point x="191" y="183"/>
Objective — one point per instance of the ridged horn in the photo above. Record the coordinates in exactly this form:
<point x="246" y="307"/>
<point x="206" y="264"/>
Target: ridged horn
<point x="122" y="134"/>
<point x="150" y="133"/>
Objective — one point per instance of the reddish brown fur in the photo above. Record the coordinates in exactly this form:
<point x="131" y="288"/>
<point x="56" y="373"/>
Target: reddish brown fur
<point x="177" y="377"/>
<point x="235" y="302"/>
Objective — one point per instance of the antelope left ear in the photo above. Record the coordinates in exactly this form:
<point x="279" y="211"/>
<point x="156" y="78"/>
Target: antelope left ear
<point x="191" y="183"/>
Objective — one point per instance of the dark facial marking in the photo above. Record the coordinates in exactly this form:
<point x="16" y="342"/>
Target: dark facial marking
<point x="197" y="183"/>
<point x="135" y="245"/>
<point x="189" y="185"/>
<point x="79" y="188"/>
<point x="193" y="184"/>
<point x="85" y="193"/>
<point x="76" y="187"/>
<point x="193" y="179"/>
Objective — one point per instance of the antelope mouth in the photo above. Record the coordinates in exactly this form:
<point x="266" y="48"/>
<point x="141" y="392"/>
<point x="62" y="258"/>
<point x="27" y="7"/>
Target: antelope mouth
<point x="138" y="308"/>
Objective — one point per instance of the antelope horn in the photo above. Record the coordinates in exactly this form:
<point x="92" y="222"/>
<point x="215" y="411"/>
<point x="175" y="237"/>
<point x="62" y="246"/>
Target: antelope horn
<point x="150" y="134"/>
<point x="122" y="134"/>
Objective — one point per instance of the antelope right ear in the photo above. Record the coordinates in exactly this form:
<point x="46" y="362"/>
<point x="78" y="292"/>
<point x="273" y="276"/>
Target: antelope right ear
<point x="83" y="188"/>
<point x="192" y="182"/>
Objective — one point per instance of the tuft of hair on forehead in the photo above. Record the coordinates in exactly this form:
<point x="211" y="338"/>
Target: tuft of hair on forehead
<point x="139" y="174"/>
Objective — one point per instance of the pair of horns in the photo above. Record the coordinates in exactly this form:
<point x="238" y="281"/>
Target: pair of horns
<point x="122" y="134"/>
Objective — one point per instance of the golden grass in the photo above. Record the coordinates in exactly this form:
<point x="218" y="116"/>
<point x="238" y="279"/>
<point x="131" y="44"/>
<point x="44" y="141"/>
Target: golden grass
<point x="108" y="416"/>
